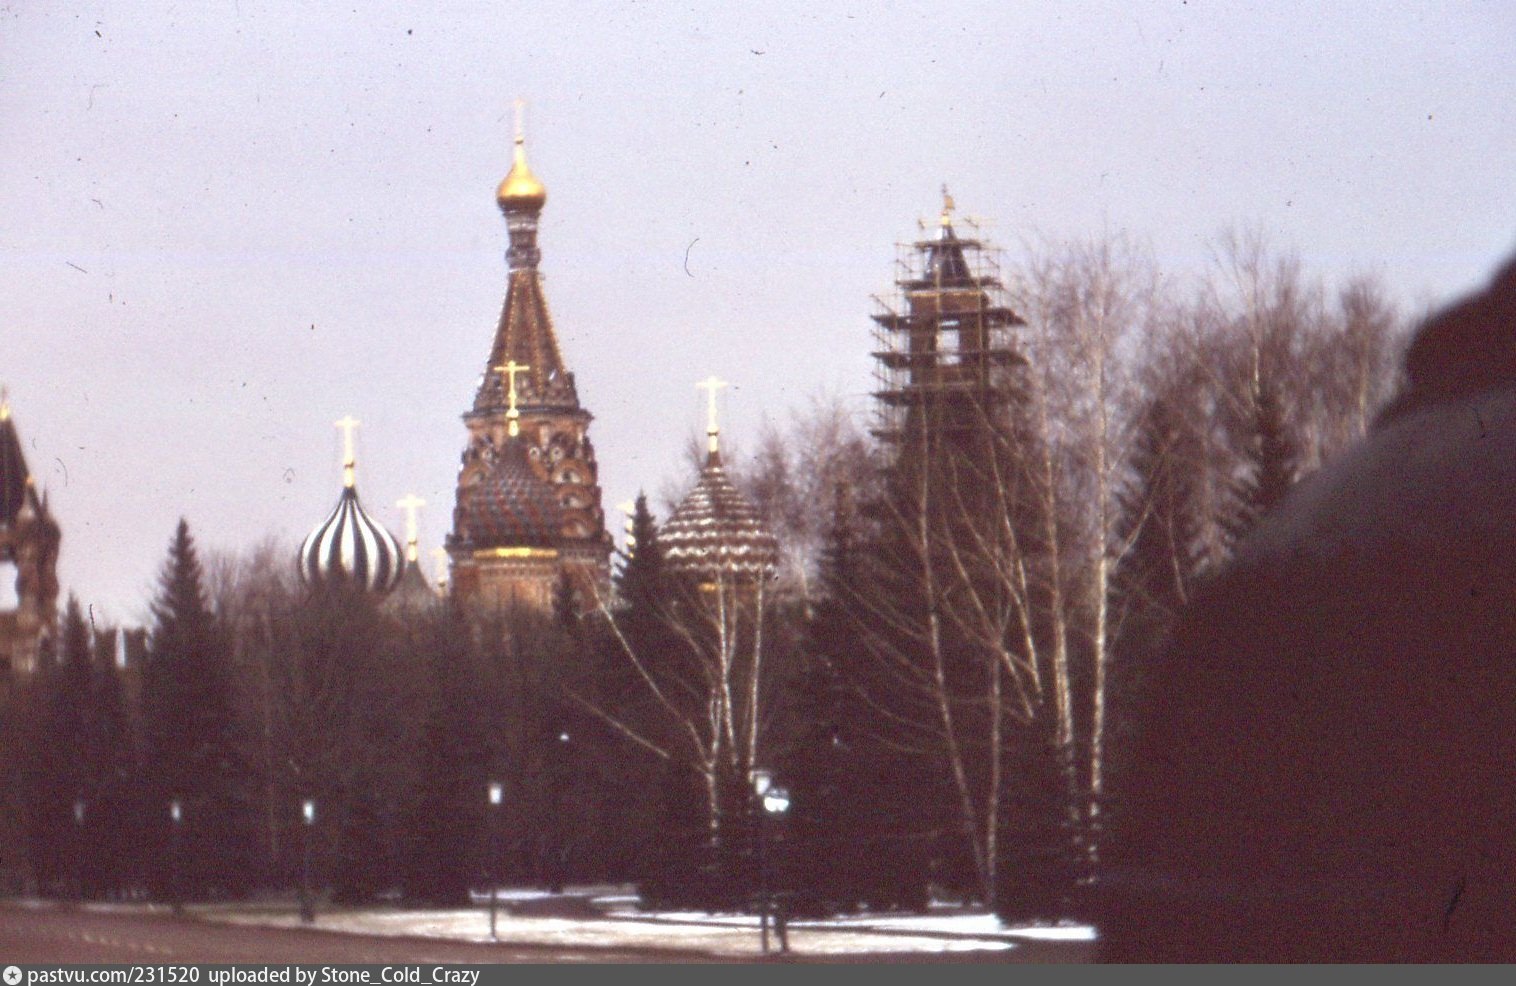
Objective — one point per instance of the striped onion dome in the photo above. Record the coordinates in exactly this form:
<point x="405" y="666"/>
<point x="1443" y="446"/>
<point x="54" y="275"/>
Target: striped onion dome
<point x="716" y="531"/>
<point x="510" y="506"/>
<point x="350" y="545"/>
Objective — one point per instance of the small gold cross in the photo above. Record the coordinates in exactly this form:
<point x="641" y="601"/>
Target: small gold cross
<point x="410" y="503"/>
<point x="710" y="385"/>
<point x="509" y="369"/>
<point x="348" y="425"/>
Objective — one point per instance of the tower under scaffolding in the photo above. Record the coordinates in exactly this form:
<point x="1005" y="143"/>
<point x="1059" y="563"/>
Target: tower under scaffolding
<point x="943" y="346"/>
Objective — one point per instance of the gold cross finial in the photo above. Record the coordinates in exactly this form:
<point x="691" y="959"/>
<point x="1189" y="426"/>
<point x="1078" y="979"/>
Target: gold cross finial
<point x="710" y="385"/>
<point x="410" y="503"/>
<point x="5" y="403"/>
<point x="947" y="206"/>
<point x="439" y="555"/>
<point x="348" y="424"/>
<point x="520" y="108"/>
<point x="629" y="509"/>
<point x="509" y="369"/>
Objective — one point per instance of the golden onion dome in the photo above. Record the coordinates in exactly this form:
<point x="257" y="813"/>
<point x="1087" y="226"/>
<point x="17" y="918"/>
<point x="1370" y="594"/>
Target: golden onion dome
<point x="520" y="190"/>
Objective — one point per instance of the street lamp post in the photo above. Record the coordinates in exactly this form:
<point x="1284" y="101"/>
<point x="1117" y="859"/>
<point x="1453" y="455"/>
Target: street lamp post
<point x="769" y="801"/>
<point x="762" y="781"/>
<point x="307" y="904"/>
<point x="79" y="852"/>
<point x="557" y="861"/>
<point x="497" y="797"/>
<point x="776" y="804"/>
<point x="176" y="819"/>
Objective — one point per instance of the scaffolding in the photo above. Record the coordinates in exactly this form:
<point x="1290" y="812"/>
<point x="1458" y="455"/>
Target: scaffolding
<point x="943" y="341"/>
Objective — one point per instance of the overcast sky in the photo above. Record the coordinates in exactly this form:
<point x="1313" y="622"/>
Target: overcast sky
<point x="224" y="224"/>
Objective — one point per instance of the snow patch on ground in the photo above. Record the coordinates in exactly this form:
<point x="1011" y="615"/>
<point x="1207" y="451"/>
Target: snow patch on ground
<point x="613" y="921"/>
<point x="724" y="935"/>
<point x="956" y="922"/>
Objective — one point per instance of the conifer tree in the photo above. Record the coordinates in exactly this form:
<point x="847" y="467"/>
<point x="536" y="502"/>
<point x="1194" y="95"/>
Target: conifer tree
<point x="445" y="816"/>
<point x="646" y="620"/>
<point x="1157" y="531"/>
<point x="114" y="817"/>
<point x="1271" y="458"/>
<point x="836" y="830"/>
<point x="59" y="773"/>
<point x="827" y="629"/>
<point x="641" y="580"/>
<point x="644" y="597"/>
<point x="1158" y="566"/>
<point x="343" y="703"/>
<point x="190" y="730"/>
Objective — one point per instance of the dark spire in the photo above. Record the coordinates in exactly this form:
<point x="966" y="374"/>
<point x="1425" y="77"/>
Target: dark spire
<point x="945" y="263"/>
<point x="16" y="487"/>
<point x="525" y="335"/>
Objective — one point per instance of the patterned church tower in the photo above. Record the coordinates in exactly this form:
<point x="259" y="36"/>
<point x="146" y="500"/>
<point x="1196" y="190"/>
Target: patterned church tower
<point x="528" y="509"/>
<point x="29" y="539"/>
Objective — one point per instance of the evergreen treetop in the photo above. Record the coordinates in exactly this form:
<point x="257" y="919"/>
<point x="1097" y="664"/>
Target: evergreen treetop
<point x="1158" y="531"/>
<point x="641" y="579"/>
<point x="1271" y="462"/>
<point x="180" y="611"/>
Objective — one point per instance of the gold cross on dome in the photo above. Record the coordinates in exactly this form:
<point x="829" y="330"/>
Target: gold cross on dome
<point x="710" y="385"/>
<point x="520" y="108"/>
<point x="348" y="425"/>
<point x="410" y="503"/>
<point x="629" y="508"/>
<point x="947" y="206"/>
<point x="509" y="369"/>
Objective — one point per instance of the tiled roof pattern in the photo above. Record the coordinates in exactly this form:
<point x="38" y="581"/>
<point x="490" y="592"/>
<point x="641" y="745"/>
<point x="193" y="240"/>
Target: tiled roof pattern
<point x="525" y="334"/>
<point x="716" y="531"/>
<point x="509" y="506"/>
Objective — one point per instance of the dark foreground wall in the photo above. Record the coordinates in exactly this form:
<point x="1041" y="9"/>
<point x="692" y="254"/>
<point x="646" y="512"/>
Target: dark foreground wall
<point x="1325" y="765"/>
